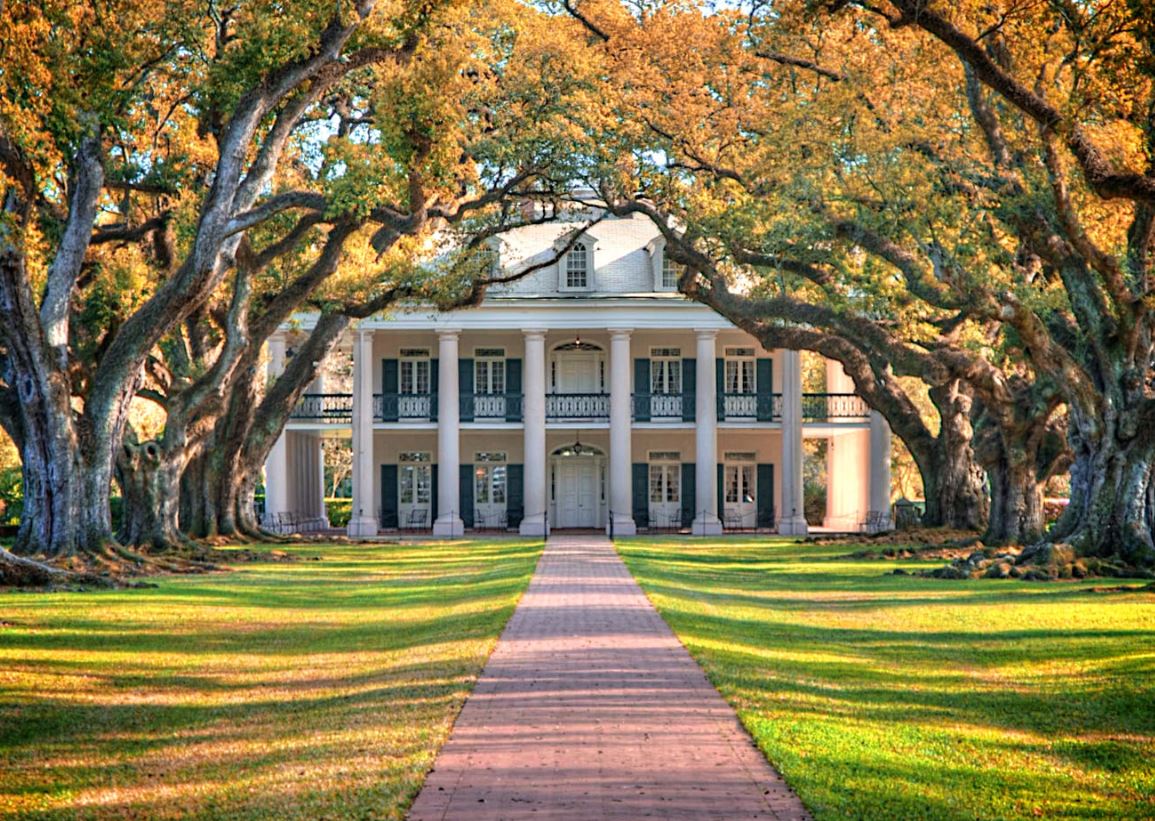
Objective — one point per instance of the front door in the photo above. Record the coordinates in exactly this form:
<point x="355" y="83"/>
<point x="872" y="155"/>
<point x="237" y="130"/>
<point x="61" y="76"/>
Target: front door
<point x="665" y="494"/>
<point x="577" y="373"/>
<point x="489" y="482"/>
<point x="577" y="492"/>
<point x="740" y="502"/>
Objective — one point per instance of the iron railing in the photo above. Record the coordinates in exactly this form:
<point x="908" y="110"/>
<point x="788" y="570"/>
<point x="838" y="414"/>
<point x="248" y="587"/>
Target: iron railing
<point x="391" y="407"/>
<point x="657" y="406"/>
<point x="324" y="407"/>
<point x="764" y="407"/>
<point x="824" y="406"/>
<point x="491" y="406"/>
<point x="577" y="406"/>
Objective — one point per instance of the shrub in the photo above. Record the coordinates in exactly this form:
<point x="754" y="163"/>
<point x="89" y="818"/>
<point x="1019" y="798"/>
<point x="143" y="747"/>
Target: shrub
<point x="340" y="511"/>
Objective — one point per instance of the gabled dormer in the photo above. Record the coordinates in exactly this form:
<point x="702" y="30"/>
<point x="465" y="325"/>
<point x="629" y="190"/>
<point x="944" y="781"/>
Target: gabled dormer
<point x="665" y="271"/>
<point x="576" y="266"/>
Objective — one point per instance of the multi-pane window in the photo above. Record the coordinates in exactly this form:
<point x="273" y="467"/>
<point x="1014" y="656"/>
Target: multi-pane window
<point x="489" y="371"/>
<point x="740" y="370"/>
<point x="415" y="479"/>
<point x="739" y="484"/>
<point x="665" y="483"/>
<point x="414" y="367"/>
<point x="490" y="478"/>
<point x="577" y="267"/>
<point x="670" y="273"/>
<point x="665" y="370"/>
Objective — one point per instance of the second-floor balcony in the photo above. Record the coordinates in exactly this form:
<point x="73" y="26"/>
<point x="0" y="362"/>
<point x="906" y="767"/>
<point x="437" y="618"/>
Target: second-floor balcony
<point x="491" y="407"/>
<point x="826" y="407"/>
<point x="759" y="407"/>
<point x="333" y="408"/>
<point x="407" y="407"/>
<point x="593" y="407"/>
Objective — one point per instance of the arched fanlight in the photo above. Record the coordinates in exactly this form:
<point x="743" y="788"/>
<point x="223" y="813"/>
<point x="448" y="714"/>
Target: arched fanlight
<point x="577" y="447"/>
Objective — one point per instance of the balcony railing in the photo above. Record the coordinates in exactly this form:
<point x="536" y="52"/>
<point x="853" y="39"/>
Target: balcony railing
<point x="764" y="407"/>
<point x="413" y="407"/>
<point x="657" y="406"/>
<point x="491" y="406"/>
<point x="324" y="407"/>
<point x="577" y="406"/>
<point x="821" y="407"/>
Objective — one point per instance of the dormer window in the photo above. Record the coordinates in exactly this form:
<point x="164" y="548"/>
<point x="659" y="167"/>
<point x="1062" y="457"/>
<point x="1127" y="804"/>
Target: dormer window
<point x="671" y="271"/>
<point x="576" y="268"/>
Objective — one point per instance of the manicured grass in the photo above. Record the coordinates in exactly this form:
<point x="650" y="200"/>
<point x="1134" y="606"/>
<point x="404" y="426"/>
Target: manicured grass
<point x="307" y="689"/>
<point x="882" y="696"/>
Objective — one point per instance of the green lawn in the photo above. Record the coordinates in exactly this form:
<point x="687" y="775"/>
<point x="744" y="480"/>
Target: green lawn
<point x="892" y="697"/>
<point x="308" y="689"/>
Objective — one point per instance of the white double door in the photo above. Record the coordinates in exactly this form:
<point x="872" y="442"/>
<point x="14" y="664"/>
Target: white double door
<point x="577" y="497"/>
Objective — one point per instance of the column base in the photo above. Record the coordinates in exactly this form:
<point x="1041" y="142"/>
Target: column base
<point x="533" y="526"/>
<point x="793" y="526"/>
<point x="706" y="524"/>
<point x="450" y="525"/>
<point x="623" y="527"/>
<point x="361" y="526"/>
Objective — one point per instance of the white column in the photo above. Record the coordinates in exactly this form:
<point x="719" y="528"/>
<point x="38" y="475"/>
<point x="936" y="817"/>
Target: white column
<point x="847" y="459"/>
<point x="319" y="444"/>
<point x="792" y="517"/>
<point x="621" y="502"/>
<point x="364" y="519"/>
<point x="448" y="439"/>
<point x="706" y="521"/>
<point x="880" y="466"/>
<point x="277" y="462"/>
<point x="534" y="521"/>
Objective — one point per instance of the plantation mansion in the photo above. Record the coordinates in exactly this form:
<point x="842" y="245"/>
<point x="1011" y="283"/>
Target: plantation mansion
<point x="588" y="394"/>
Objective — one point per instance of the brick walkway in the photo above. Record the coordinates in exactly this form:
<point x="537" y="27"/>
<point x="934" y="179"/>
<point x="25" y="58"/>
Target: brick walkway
<point x="589" y="708"/>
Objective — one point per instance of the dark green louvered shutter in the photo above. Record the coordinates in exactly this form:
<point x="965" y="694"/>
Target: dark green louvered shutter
<point x="764" y="378"/>
<point x="433" y="494"/>
<point x="721" y="490"/>
<point x="689" y="492"/>
<point x="515" y="495"/>
<point x="720" y="383"/>
<point x="641" y="494"/>
<point x="689" y="389"/>
<point x="465" y="388"/>
<point x="641" y="390"/>
<point x="390" y="384"/>
<point x="513" y="390"/>
<point x="388" y="516"/>
<point x="465" y="494"/>
<point x="765" y="496"/>
<point x="434" y="379"/>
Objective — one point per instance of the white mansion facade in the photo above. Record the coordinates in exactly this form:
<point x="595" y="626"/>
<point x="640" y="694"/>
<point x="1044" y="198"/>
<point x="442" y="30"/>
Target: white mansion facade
<point x="588" y="394"/>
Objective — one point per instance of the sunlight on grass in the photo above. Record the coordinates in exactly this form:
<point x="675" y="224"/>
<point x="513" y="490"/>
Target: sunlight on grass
<point x="882" y="696"/>
<point x="302" y="689"/>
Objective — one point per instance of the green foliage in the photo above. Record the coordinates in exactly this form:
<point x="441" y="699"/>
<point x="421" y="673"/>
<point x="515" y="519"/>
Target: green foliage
<point x="340" y="511"/>
<point x="11" y="495"/>
<point x="880" y="696"/>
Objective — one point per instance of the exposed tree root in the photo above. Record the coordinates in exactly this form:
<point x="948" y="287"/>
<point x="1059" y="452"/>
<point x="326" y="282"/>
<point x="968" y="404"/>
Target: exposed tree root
<point x="1045" y="561"/>
<point x="19" y="571"/>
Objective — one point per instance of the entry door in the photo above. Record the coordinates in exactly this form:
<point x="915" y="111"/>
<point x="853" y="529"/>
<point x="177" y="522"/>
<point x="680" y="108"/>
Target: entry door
<point x="741" y="496"/>
<point x="577" y="373"/>
<point x="489" y="482"/>
<point x="665" y="494"/>
<point x="414" y="495"/>
<point x="577" y="501"/>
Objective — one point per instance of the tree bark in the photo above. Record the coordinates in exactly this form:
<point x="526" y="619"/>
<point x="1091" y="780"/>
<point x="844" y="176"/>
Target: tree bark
<point x="952" y="480"/>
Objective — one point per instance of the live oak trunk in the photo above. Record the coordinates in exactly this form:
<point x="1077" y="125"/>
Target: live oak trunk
<point x="952" y="479"/>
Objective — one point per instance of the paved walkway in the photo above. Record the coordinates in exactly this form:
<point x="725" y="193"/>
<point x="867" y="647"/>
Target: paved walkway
<point x="589" y="708"/>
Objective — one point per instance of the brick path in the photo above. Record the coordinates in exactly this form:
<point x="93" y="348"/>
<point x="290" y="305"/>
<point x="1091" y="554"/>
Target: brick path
<point x="589" y="708"/>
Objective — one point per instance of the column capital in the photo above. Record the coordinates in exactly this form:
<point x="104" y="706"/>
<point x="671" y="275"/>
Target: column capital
<point x="364" y="333"/>
<point x="448" y="332"/>
<point x="534" y="333"/>
<point x="706" y="333"/>
<point x="620" y="332"/>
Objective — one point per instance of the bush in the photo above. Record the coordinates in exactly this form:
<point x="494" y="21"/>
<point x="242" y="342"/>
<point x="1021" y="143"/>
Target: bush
<point x="11" y="495"/>
<point x="340" y="511"/>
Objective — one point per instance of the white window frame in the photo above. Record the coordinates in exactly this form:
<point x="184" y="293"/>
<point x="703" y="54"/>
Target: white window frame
<point x="665" y="268"/>
<point x="664" y="363"/>
<point x="489" y="360"/>
<point x="408" y="365"/>
<point x="741" y="363"/>
<point x="564" y="268"/>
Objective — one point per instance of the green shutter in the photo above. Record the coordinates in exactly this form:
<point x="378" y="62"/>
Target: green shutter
<point x="720" y="383"/>
<point x="465" y="491"/>
<point x="689" y="389"/>
<point x="515" y="495"/>
<point x="641" y="390"/>
<point x="433" y="495"/>
<point x="390" y="384"/>
<point x="388" y="517"/>
<point x="721" y="490"/>
<point x="641" y="494"/>
<point x="513" y="390"/>
<point x="465" y="388"/>
<point x="765" y="504"/>
<point x="689" y="492"/>
<point x="434" y="378"/>
<point x="764" y="379"/>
